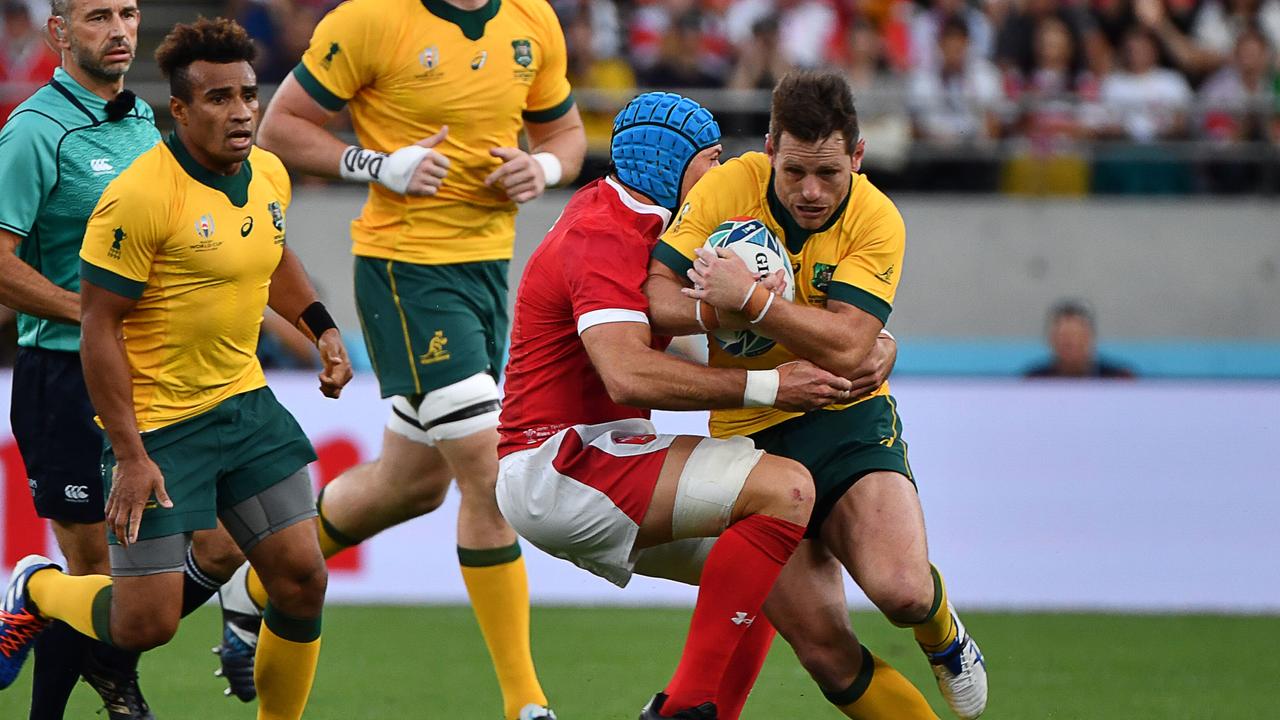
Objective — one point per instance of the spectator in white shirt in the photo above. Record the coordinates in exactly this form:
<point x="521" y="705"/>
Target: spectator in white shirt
<point x="956" y="102"/>
<point x="1145" y="103"/>
<point x="1235" y="101"/>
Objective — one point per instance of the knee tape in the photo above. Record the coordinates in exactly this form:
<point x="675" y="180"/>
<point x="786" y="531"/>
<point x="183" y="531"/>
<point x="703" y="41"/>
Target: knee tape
<point x="710" y="483"/>
<point x="451" y="412"/>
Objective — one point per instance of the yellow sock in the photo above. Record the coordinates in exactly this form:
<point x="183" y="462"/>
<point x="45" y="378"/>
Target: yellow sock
<point x="499" y="589"/>
<point x="881" y="693"/>
<point x="938" y="629"/>
<point x="81" y="601"/>
<point x="285" y="664"/>
<point x="332" y="542"/>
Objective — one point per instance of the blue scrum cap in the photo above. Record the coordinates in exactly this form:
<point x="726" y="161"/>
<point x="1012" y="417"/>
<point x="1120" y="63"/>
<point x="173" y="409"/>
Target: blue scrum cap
<point x="654" y="139"/>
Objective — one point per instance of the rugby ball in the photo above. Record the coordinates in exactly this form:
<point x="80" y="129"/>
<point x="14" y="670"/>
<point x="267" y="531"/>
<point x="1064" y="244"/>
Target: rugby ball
<point x="750" y="240"/>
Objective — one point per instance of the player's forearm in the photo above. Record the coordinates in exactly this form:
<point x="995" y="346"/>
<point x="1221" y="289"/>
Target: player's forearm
<point x="670" y="312"/>
<point x="565" y="138"/>
<point x="291" y="290"/>
<point x="24" y="289"/>
<point x="659" y="381"/>
<point x="301" y="143"/>
<point x="824" y="338"/>
<point x="107" y="377"/>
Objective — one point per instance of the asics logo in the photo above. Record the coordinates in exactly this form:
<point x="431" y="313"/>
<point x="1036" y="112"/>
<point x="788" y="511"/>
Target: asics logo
<point x="76" y="492"/>
<point x="101" y="165"/>
<point x="741" y="618"/>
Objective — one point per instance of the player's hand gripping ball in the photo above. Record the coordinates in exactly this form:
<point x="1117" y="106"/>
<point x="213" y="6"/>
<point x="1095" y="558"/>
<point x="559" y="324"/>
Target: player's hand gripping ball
<point x="763" y="253"/>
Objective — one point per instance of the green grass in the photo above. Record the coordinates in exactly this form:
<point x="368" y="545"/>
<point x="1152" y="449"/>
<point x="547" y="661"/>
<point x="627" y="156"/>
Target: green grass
<point x="428" y="663"/>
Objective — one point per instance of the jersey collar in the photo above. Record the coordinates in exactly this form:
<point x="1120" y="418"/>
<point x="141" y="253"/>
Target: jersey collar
<point x="794" y="235"/>
<point x="471" y="22"/>
<point x="635" y="205"/>
<point x="235" y="187"/>
<point x="90" y="104"/>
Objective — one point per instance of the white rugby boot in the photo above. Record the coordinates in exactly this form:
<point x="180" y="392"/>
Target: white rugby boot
<point x="961" y="673"/>
<point x="536" y="712"/>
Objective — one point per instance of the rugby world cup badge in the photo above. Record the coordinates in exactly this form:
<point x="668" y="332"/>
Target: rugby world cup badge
<point x="429" y="58"/>
<point x="204" y="226"/>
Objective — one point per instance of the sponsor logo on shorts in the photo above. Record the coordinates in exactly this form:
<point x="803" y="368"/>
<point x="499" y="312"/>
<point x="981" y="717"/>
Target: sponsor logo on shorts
<point x="436" y="351"/>
<point x="76" y="493"/>
<point x="740" y="618"/>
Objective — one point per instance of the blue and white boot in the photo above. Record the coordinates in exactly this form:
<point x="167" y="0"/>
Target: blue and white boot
<point x="19" y="621"/>
<point x="536" y="712"/>
<point x="961" y="673"/>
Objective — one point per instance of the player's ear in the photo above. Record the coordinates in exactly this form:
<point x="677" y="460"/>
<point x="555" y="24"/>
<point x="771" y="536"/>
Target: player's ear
<point x="178" y="109"/>
<point x="768" y="145"/>
<point x="57" y="26"/>
<point x="859" y="149"/>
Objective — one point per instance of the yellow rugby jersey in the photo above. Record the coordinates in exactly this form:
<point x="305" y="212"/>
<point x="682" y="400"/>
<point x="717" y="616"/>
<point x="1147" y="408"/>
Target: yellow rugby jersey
<point x="197" y="251"/>
<point x="856" y="258"/>
<point x="408" y="67"/>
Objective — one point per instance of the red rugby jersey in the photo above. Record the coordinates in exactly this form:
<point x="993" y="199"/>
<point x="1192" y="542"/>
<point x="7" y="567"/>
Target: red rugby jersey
<point x="589" y="270"/>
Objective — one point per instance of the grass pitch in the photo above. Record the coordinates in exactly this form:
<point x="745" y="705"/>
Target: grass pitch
<point x="429" y="663"/>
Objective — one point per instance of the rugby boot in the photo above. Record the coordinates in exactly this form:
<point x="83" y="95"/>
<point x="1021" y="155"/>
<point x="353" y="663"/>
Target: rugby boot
<point x="241" y="623"/>
<point x="20" y="622"/>
<point x="961" y="673"/>
<point x="536" y="712"/>
<point x="652" y="711"/>
<point x="118" y="689"/>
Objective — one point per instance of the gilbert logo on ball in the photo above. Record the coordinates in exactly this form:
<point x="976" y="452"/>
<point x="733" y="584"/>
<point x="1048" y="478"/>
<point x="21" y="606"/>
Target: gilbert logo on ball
<point x="763" y="253"/>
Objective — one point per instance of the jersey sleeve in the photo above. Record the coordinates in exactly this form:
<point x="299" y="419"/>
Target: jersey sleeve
<point x="550" y="96"/>
<point x="709" y="203"/>
<point x="122" y="238"/>
<point x="867" y="277"/>
<point x="605" y="274"/>
<point x="29" y="155"/>
<point x="341" y="58"/>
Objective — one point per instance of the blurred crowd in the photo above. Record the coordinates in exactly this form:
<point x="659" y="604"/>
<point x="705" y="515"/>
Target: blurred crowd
<point x="1038" y="77"/>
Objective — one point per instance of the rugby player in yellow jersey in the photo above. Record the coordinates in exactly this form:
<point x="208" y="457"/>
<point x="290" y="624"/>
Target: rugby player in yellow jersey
<point x="846" y="241"/>
<point x="184" y="252"/>
<point x="439" y="91"/>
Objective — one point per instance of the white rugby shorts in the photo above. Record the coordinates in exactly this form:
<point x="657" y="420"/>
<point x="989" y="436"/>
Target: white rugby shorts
<point x="583" y="493"/>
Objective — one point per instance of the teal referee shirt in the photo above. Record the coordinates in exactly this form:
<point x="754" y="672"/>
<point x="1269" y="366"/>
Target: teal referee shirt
<point x="57" y="154"/>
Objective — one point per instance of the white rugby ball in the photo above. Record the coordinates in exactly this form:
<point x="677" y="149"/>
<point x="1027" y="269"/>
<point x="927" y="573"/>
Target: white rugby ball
<point x="750" y="240"/>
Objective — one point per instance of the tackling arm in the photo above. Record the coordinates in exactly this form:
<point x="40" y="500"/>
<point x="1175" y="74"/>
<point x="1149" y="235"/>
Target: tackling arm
<point x="24" y="289"/>
<point x="639" y="376"/>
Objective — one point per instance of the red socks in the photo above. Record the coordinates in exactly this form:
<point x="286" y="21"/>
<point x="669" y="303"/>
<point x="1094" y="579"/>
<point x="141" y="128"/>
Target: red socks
<point x="744" y="668"/>
<point x="740" y="570"/>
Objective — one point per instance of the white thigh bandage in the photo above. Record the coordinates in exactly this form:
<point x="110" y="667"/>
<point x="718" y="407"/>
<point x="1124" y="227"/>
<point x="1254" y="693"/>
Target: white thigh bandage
<point x="710" y="483"/>
<point x="454" y="411"/>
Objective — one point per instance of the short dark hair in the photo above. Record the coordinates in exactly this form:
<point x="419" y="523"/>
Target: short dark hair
<point x="953" y="25"/>
<point x="1071" y="309"/>
<point x="219" y="40"/>
<point x="810" y="105"/>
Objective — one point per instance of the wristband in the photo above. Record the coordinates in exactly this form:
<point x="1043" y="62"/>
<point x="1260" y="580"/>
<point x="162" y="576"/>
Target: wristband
<point x="392" y="171"/>
<point x="762" y="388"/>
<point x="706" y="315"/>
<point x="360" y="165"/>
<point x="767" y="304"/>
<point x="317" y="319"/>
<point x="552" y="170"/>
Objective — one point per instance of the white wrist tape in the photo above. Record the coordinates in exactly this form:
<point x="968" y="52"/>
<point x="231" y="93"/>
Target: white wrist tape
<point x="762" y="388"/>
<point x="392" y="171"/>
<point x="697" y="314"/>
<point x="552" y="170"/>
